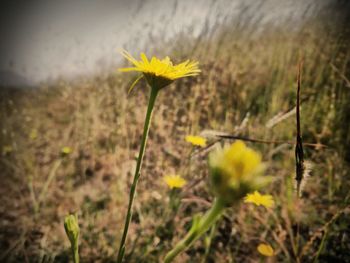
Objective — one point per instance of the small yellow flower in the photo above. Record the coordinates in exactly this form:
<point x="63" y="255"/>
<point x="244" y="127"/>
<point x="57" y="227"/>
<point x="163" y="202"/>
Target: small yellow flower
<point x="174" y="181"/>
<point x="196" y="140"/>
<point x="258" y="199"/>
<point x="33" y="134"/>
<point x="235" y="171"/>
<point x="66" y="150"/>
<point x="160" y="72"/>
<point x="266" y="250"/>
<point x="7" y="149"/>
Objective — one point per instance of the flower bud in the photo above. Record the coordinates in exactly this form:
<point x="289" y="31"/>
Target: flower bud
<point x="72" y="229"/>
<point x="235" y="171"/>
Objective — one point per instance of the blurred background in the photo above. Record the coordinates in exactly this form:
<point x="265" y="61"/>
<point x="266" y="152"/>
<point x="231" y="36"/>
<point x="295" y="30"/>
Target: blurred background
<point x="45" y="41"/>
<point x="70" y="132"/>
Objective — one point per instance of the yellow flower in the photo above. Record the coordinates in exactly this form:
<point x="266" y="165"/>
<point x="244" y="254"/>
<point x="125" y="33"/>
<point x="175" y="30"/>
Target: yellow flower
<point x="66" y="150"/>
<point x="196" y="140"/>
<point x="258" y="199"/>
<point x="160" y="72"/>
<point x="235" y="171"/>
<point x="174" y="181"/>
<point x="266" y="250"/>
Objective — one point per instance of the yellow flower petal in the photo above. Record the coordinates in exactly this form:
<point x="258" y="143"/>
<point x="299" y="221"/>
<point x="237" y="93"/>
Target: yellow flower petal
<point x="129" y="69"/>
<point x="266" y="250"/>
<point x="258" y="199"/>
<point x="174" y="181"/>
<point x="196" y="140"/>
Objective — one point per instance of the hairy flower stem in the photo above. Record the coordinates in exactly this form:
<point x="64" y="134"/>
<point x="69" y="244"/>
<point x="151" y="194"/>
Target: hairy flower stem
<point x="152" y="99"/>
<point x="197" y="230"/>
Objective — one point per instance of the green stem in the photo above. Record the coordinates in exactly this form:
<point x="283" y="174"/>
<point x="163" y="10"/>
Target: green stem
<point x="152" y="99"/>
<point x="75" y="252"/>
<point x="197" y="230"/>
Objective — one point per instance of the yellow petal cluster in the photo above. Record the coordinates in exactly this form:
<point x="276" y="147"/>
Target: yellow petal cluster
<point x="259" y="199"/>
<point x="160" y="72"/>
<point x="196" y="140"/>
<point x="235" y="170"/>
<point x="265" y="250"/>
<point x="174" y="181"/>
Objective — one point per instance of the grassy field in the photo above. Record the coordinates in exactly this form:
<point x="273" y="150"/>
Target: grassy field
<point x="73" y="148"/>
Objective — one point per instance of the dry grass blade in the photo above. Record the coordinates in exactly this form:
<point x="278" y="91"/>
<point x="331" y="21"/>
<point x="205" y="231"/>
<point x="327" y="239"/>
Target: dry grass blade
<point x="347" y="81"/>
<point x="247" y="139"/>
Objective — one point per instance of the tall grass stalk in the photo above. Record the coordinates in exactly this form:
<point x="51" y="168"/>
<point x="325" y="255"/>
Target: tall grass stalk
<point x="152" y="99"/>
